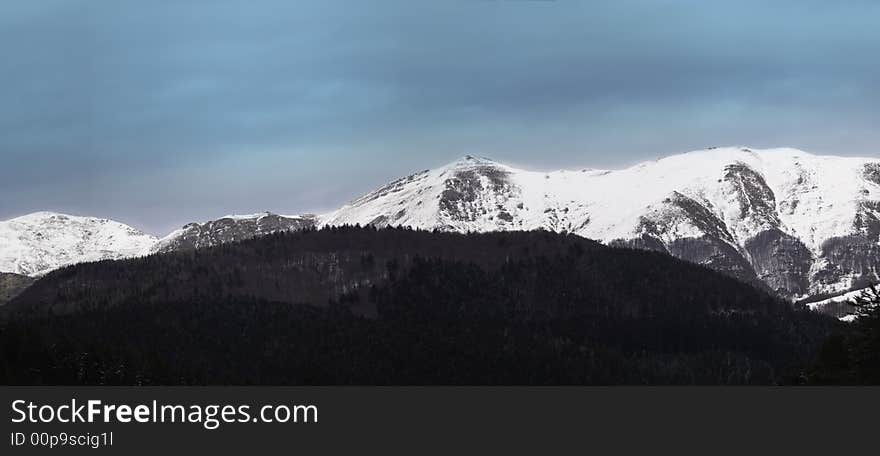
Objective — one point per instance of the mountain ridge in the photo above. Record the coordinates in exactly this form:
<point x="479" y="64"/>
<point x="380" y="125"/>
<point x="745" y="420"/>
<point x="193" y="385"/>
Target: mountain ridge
<point x="805" y="224"/>
<point x="39" y="242"/>
<point x="797" y="223"/>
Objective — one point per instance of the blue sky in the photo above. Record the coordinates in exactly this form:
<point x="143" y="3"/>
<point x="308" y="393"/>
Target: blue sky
<point x="160" y="113"/>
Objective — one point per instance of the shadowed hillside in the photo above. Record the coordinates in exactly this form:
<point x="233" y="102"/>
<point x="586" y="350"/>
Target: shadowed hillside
<point x="396" y="306"/>
<point x="11" y="285"/>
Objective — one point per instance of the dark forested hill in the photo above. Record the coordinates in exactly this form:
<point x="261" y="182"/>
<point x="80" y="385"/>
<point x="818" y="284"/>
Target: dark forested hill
<point x="395" y="306"/>
<point x="11" y="285"/>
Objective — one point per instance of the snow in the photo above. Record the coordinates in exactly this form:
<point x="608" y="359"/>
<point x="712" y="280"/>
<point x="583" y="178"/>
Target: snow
<point x="169" y="238"/>
<point x="258" y="215"/>
<point x="192" y="228"/>
<point x="40" y="242"/>
<point x="254" y="216"/>
<point x="815" y="198"/>
<point x="845" y="297"/>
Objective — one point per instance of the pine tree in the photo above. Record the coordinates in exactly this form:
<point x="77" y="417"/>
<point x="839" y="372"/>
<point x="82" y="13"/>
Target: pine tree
<point x="866" y="342"/>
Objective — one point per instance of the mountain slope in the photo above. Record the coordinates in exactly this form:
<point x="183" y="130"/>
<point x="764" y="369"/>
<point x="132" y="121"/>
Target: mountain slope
<point x="396" y="306"/>
<point x="11" y="285"/>
<point x="230" y="229"/>
<point x="37" y="243"/>
<point x="40" y="242"/>
<point x="802" y="224"/>
<point x="798" y="224"/>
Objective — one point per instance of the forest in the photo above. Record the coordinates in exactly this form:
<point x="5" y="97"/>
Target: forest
<point x="359" y="305"/>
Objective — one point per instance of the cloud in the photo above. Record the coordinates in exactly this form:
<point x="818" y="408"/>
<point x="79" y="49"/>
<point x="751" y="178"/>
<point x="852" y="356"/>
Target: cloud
<point x="190" y="109"/>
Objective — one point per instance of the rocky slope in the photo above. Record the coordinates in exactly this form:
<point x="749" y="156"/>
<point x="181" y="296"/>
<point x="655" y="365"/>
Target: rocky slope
<point x="800" y="223"/>
<point x="230" y="229"/>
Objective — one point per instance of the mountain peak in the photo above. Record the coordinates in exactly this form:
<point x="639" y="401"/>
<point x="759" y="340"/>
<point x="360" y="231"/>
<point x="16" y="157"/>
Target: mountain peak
<point x="39" y="242"/>
<point x="471" y="160"/>
<point x="45" y="215"/>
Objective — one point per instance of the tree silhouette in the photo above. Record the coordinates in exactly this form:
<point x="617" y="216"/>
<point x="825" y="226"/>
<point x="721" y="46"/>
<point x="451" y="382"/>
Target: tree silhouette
<point x="866" y="338"/>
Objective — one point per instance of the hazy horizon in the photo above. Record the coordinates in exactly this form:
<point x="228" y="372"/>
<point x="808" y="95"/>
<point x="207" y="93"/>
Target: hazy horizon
<point x="163" y="113"/>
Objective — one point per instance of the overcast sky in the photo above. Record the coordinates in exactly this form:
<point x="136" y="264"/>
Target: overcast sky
<point x="160" y="113"/>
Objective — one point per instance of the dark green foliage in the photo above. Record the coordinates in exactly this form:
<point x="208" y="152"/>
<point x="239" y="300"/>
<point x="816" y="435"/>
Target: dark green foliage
<point x="364" y="306"/>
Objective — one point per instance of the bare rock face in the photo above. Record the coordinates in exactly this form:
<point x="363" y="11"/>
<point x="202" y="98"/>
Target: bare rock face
<point x="872" y="173"/>
<point x="778" y="259"/>
<point x="686" y="229"/>
<point x="231" y="229"/>
<point x="781" y="261"/>
<point x="678" y="214"/>
<point x="476" y="193"/>
<point x="854" y="260"/>
<point x="754" y="202"/>
<point x="717" y="255"/>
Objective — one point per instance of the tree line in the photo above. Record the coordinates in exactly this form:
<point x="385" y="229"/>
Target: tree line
<point x="354" y="305"/>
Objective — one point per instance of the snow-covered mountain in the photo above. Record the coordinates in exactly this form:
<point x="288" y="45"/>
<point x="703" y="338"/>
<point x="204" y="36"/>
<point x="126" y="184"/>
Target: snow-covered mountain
<point x="40" y="242"/>
<point x="800" y="223"/>
<point x="796" y="223"/>
<point x="230" y="229"/>
<point x="37" y="243"/>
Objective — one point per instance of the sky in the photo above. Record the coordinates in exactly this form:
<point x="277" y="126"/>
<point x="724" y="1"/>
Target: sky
<point x="159" y="113"/>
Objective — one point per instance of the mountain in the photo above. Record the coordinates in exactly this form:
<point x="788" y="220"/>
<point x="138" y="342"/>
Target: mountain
<point x="230" y="229"/>
<point x="799" y="223"/>
<point x="348" y="305"/>
<point x="40" y="242"/>
<point x="37" y="243"/>
<point x="11" y="285"/>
